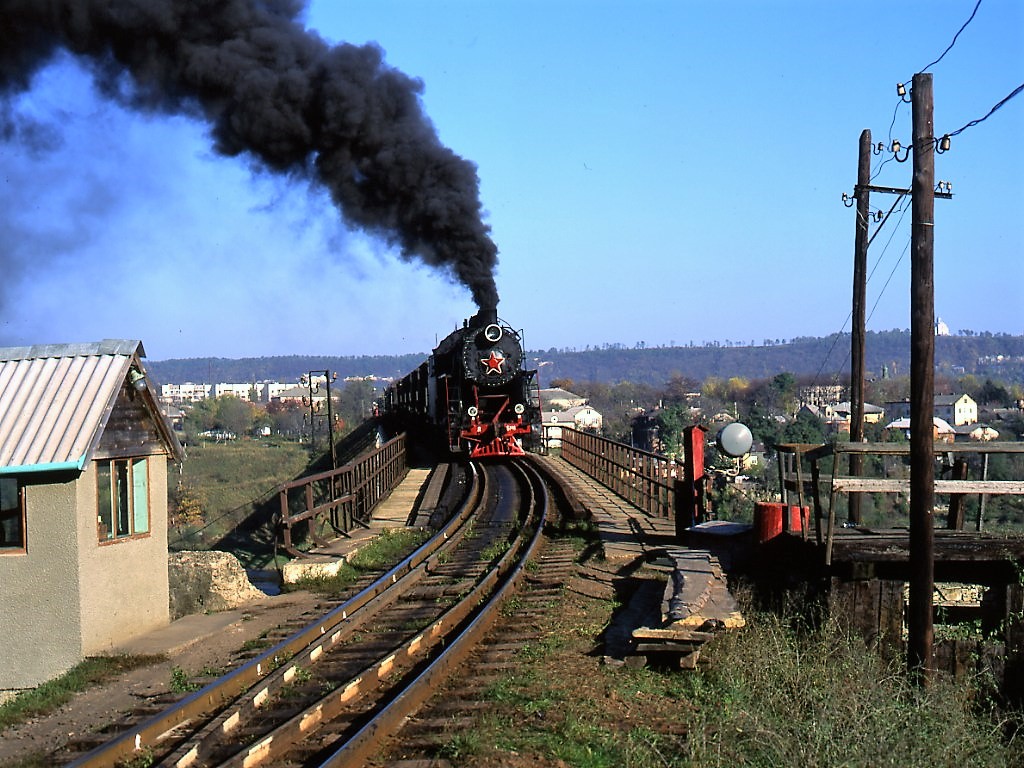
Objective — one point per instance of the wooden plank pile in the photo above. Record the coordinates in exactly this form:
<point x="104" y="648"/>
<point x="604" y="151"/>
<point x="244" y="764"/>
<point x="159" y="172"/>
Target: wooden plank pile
<point x="697" y="603"/>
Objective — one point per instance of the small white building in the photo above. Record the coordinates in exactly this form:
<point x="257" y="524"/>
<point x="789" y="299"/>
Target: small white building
<point x="958" y="410"/>
<point x="582" y="417"/>
<point x="955" y="409"/>
<point x="942" y="432"/>
<point x="241" y="391"/>
<point x="184" y="393"/>
<point x="981" y="433"/>
<point x="560" y="399"/>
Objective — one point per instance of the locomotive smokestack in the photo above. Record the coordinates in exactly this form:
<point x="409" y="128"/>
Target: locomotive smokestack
<point x="272" y="89"/>
<point x="485" y="316"/>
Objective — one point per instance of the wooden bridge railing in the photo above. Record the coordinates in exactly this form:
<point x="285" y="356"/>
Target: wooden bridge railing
<point x="340" y="499"/>
<point x="801" y="470"/>
<point x="646" y="480"/>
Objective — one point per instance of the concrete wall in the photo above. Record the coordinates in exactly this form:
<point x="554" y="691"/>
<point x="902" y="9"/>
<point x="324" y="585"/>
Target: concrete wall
<point x="39" y="609"/>
<point x="68" y="596"/>
<point x="123" y="583"/>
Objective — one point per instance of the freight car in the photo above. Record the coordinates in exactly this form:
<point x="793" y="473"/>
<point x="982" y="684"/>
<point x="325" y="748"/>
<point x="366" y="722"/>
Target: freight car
<point x="472" y="396"/>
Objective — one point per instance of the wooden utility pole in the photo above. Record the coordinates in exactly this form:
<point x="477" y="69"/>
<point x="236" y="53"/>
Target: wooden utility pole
<point x="860" y="279"/>
<point x="922" y="383"/>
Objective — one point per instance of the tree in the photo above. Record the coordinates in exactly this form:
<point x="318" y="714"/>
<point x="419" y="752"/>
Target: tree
<point x="763" y="426"/>
<point x="678" y="387"/>
<point x="286" y="418"/>
<point x="356" y="404"/>
<point x="891" y="390"/>
<point x="671" y="420"/>
<point x="991" y="393"/>
<point x="713" y="394"/>
<point x="783" y="389"/>
<point x="200" y="417"/>
<point x="187" y="506"/>
<point x="805" y="428"/>
<point x="737" y="388"/>
<point x="234" y="415"/>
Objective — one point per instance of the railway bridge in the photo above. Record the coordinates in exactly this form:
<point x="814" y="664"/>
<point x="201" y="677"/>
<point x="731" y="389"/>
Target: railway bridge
<point x="651" y="511"/>
<point x="679" y="590"/>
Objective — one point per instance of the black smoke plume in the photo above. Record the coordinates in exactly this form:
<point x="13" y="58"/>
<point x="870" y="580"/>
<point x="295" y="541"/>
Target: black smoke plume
<point x="278" y="92"/>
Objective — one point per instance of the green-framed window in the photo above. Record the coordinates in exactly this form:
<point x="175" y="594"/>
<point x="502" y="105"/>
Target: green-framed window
<point x="122" y="498"/>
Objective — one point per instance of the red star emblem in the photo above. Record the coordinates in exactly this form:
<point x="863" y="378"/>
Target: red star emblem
<point x="493" y="362"/>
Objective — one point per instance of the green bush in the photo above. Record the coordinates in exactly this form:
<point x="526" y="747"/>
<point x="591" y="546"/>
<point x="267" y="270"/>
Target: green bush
<point x="775" y="695"/>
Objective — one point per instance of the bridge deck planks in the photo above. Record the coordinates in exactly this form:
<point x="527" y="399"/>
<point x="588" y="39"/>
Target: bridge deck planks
<point x="694" y="601"/>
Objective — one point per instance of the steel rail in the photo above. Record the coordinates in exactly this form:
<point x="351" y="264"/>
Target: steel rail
<point x="203" y="742"/>
<point x="279" y="742"/>
<point x="276" y="745"/>
<point x="310" y="641"/>
<point x="358" y="749"/>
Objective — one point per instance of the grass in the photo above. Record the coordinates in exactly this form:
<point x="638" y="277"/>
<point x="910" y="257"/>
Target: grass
<point x="776" y="693"/>
<point x="181" y="682"/>
<point x="257" y="644"/>
<point x="779" y="695"/>
<point x="52" y="694"/>
<point x="230" y="477"/>
<point x="493" y="551"/>
<point x="383" y="552"/>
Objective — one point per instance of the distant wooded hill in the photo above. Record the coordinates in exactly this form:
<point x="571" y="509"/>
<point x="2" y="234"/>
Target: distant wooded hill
<point x="999" y="356"/>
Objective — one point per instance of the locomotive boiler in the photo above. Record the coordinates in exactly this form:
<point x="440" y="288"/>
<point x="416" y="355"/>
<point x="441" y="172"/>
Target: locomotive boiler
<point x="473" y="395"/>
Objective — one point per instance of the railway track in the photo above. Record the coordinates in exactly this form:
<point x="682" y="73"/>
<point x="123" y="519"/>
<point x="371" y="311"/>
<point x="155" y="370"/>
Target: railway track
<point x="467" y="697"/>
<point x="331" y="691"/>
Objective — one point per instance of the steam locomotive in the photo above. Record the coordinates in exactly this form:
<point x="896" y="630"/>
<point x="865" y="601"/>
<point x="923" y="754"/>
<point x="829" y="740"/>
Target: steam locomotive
<point x="472" y="396"/>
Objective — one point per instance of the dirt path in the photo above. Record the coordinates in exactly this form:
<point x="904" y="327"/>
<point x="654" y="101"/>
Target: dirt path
<point x="193" y="644"/>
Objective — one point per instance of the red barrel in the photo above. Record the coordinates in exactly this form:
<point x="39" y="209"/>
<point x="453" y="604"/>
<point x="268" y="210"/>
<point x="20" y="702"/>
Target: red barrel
<point x="769" y="517"/>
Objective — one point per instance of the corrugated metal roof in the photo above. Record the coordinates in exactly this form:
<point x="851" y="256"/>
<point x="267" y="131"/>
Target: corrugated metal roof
<point x="55" y="399"/>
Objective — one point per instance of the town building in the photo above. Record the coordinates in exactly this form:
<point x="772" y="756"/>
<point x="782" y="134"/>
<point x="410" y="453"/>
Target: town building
<point x="84" y="454"/>
<point x="955" y="409"/>
<point x="555" y="399"/>
<point x="175" y="394"/>
<point x="272" y="390"/>
<point x="821" y="395"/>
<point x="942" y="432"/>
<point x="249" y="392"/>
<point x="958" y="410"/>
<point x="299" y="393"/>
<point x="257" y="391"/>
<point x="843" y="412"/>
<point x="581" y="417"/>
<point x="839" y="417"/>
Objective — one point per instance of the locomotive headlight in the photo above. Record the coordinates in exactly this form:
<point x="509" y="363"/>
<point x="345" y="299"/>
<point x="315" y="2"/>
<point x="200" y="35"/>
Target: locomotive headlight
<point x="472" y="411"/>
<point x="520" y="408"/>
<point x="492" y="332"/>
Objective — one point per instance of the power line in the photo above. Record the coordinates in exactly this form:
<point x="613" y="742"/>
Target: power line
<point x="888" y="279"/>
<point x="971" y="124"/>
<point x="878" y="261"/>
<point x="891" y="157"/>
<point x="903" y="212"/>
<point x="891" y="124"/>
<point x="950" y="47"/>
<point x="941" y="57"/>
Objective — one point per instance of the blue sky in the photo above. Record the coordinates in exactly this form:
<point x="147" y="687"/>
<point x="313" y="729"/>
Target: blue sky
<point x="655" y="172"/>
